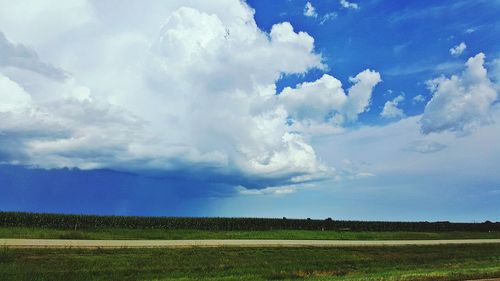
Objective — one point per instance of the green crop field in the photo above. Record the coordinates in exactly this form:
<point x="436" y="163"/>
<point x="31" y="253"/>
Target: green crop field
<point x="446" y="262"/>
<point x="55" y="226"/>
<point x="79" y="222"/>
<point x="178" y="234"/>
<point x="443" y="262"/>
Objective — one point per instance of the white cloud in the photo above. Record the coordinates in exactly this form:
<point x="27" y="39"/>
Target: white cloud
<point x="418" y="99"/>
<point x="408" y="69"/>
<point x="461" y="102"/>
<point x="314" y="100"/>
<point x="52" y="18"/>
<point x="458" y="49"/>
<point x="12" y="96"/>
<point x="360" y="92"/>
<point x="391" y="109"/>
<point x="199" y="96"/>
<point x="398" y="153"/>
<point x="471" y="30"/>
<point x="348" y="5"/>
<point x="324" y="101"/>
<point x="309" y="10"/>
<point x="275" y="190"/>
<point x="327" y="17"/>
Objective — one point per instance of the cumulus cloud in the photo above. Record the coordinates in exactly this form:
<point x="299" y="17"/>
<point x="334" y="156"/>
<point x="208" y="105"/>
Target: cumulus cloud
<point x="458" y="49"/>
<point x="360" y="92"/>
<point x="391" y="109"/>
<point x="71" y="130"/>
<point x="348" y="5"/>
<point x="461" y="102"/>
<point x="309" y="10"/>
<point x="200" y="97"/>
<point x="324" y="101"/>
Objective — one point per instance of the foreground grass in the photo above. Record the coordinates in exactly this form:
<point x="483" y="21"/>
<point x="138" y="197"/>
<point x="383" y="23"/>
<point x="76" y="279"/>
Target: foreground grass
<point x="446" y="262"/>
<point x="113" y="233"/>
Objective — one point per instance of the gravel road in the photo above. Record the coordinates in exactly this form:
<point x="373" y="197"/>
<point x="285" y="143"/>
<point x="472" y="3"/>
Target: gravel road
<point x="55" y="243"/>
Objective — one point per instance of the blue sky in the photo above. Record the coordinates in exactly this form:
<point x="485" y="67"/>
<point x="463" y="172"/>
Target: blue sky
<point x="379" y="110"/>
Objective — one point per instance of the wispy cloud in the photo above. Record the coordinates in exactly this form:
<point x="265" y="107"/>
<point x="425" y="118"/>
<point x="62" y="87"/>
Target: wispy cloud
<point x="420" y="67"/>
<point x="436" y="10"/>
<point x="471" y="30"/>
<point x="349" y="5"/>
<point x="327" y="17"/>
<point x="23" y="57"/>
<point x="275" y="190"/>
<point x="425" y="146"/>
<point x="310" y="11"/>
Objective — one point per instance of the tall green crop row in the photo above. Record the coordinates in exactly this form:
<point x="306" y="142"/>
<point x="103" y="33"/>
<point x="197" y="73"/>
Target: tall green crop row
<point x="59" y="221"/>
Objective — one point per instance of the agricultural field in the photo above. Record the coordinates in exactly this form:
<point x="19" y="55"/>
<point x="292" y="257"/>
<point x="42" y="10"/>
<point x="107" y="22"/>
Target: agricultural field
<point x="441" y="262"/>
<point x="179" y="234"/>
<point x="446" y="262"/>
<point x="81" y="222"/>
<point x="53" y="226"/>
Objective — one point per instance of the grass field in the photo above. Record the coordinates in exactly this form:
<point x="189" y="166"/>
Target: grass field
<point x="113" y="233"/>
<point x="444" y="262"/>
<point x="373" y="263"/>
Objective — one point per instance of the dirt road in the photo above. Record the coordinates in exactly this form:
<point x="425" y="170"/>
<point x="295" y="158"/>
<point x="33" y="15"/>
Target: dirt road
<point x="55" y="243"/>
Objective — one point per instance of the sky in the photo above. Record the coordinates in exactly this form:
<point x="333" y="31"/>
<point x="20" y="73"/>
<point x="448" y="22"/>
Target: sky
<point x="359" y="110"/>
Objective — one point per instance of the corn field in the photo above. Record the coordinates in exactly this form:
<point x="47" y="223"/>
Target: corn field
<point x="60" y="221"/>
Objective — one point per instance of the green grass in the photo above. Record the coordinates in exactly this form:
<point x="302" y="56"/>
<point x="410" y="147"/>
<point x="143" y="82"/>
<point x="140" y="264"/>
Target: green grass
<point x="446" y="262"/>
<point x="114" y="233"/>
